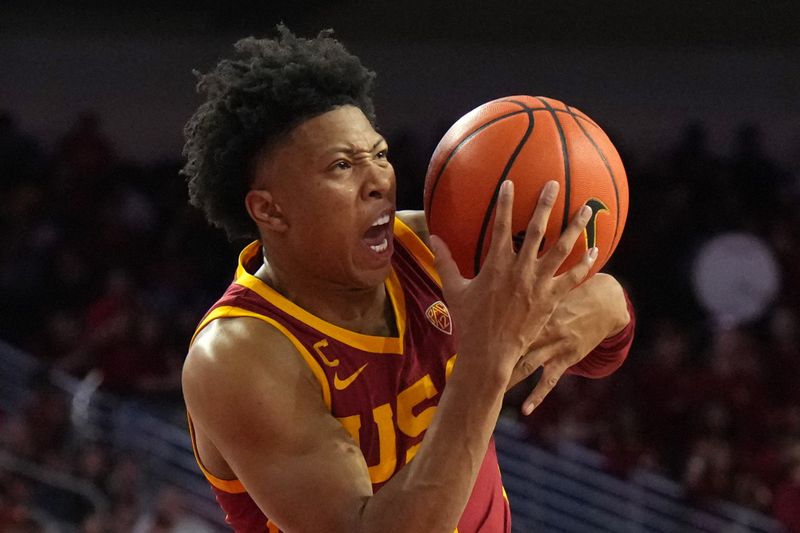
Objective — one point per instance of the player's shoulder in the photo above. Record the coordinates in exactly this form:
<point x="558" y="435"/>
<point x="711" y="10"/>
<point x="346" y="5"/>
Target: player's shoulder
<point x="415" y="220"/>
<point x="242" y="383"/>
<point x="236" y="350"/>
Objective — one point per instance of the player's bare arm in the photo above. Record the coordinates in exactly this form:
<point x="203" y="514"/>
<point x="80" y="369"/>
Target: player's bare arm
<point x="302" y="467"/>
<point x="259" y="416"/>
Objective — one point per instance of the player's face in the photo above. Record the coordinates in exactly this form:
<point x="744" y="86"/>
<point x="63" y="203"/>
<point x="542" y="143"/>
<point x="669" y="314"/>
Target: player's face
<point x="336" y="191"/>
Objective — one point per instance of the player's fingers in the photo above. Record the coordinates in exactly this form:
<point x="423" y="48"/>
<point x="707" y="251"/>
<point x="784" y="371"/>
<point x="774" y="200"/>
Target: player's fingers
<point x="538" y="222"/>
<point x="552" y="373"/>
<point x="575" y="275"/>
<point x="555" y="256"/>
<point x="501" y="231"/>
<point x="445" y="266"/>
<point x="528" y="364"/>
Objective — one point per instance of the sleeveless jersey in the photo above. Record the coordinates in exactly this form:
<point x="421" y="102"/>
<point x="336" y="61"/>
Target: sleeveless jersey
<point x="383" y="390"/>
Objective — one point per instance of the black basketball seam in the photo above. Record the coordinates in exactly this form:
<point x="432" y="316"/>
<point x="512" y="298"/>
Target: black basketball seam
<point x="523" y="106"/>
<point x="458" y="147"/>
<point x="568" y="111"/>
<point x="490" y="209"/>
<point x="574" y="113"/>
<point x="565" y="154"/>
<point x="613" y="180"/>
<point x="571" y="112"/>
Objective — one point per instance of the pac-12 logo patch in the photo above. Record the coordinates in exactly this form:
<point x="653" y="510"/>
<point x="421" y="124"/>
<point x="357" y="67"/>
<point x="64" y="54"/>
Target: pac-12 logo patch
<point x="439" y="316"/>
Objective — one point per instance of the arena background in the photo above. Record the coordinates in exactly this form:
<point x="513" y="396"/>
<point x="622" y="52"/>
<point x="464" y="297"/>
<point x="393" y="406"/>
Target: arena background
<point x="103" y="266"/>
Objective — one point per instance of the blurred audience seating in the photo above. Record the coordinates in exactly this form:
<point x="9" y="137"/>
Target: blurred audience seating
<point x="105" y="270"/>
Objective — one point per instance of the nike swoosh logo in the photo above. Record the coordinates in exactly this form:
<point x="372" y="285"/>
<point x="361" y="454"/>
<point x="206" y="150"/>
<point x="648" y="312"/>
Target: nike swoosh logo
<point x="342" y="384"/>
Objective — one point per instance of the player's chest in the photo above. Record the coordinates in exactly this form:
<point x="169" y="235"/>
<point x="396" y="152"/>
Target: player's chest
<point x="361" y="381"/>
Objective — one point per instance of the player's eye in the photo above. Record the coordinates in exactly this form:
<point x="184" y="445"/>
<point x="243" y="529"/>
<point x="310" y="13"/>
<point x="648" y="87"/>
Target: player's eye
<point x="341" y="165"/>
<point x="383" y="154"/>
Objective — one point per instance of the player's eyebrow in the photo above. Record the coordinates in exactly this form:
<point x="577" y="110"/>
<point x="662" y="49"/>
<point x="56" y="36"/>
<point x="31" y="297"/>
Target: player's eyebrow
<point x="350" y="149"/>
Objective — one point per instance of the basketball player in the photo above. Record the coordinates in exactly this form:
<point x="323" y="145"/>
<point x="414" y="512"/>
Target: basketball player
<point x="349" y="379"/>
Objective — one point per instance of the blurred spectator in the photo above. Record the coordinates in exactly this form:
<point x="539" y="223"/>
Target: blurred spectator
<point x="15" y="500"/>
<point x="760" y="185"/>
<point x="42" y="424"/>
<point x="125" y="480"/>
<point x="693" y="176"/>
<point x="125" y="341"/>
<point x="787" y="495"/>
<point x="169" y="515"/>
<point x="84" y="150"/>
<point x="21" y="157"/>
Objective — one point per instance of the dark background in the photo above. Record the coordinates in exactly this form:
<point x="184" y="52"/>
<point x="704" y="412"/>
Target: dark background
<point x="641" y="69"/>
<point x="104" y="266"/>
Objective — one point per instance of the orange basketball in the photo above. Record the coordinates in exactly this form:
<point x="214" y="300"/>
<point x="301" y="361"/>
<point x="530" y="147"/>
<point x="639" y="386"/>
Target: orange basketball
<point x="528" y="140"/>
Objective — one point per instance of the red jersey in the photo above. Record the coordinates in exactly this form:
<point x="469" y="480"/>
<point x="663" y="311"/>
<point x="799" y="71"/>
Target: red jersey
<point x="383" y="390"/>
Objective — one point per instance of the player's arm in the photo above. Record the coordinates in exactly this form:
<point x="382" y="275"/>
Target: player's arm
<point x="589" y="334"/>
<point x="249" y="392"/>
<point x="609" y="355"/>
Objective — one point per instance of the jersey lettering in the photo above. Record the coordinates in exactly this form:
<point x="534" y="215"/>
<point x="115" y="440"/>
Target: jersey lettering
<point x="410" y="424"/>
<point x="388" y="442"/>
<point x="318" y="346"/>
<point x="353" y="426"/>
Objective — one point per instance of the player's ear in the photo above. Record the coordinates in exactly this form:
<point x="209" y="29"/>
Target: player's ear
<point x="264" y="211"/>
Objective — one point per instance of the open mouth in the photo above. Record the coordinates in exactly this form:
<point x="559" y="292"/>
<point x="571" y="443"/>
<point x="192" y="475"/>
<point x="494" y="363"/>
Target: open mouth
<point x="377" y="237"/>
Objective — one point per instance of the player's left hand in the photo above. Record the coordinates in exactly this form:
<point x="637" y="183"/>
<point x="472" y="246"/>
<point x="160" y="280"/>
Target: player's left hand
<point x="588" y="314"/>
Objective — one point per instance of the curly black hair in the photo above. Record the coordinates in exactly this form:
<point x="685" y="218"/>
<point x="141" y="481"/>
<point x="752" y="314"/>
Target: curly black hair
<point x="251" y="102"/>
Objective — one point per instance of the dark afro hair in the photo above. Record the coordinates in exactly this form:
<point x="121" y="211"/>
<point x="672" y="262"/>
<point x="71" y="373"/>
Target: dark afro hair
<point x="251" y="102"/>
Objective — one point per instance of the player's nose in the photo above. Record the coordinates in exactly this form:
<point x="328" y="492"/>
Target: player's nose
<point x="379" y="182"/>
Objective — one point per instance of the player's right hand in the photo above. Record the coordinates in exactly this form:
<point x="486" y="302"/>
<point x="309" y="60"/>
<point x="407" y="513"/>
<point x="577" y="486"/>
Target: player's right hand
<point x="499" y="314"/>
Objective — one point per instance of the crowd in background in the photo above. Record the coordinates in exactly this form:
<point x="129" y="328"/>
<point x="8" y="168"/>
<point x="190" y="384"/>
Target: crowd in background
<point x="715" y="406"/>
<point x="105" y="268"/>
<point x="88" y="481"/>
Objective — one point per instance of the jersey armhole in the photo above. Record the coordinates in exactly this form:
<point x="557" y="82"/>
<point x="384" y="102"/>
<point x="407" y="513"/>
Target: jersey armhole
<point x="231" y="486"/>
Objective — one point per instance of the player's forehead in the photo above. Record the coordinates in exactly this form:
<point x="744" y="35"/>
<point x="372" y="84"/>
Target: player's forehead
<point x="343" y="128"/>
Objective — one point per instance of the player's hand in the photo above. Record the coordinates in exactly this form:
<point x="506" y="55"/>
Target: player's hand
<point x="588" y="314"/>
<point x="500" y="313"/>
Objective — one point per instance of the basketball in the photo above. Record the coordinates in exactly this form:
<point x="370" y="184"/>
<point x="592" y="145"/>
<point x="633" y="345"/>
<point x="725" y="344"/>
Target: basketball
<point x="528" y="140"/>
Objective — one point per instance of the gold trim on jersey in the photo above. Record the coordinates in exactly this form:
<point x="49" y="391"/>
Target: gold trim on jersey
<point x="223" y="311"/>
<point x="231" y="486"/>
<point x="229" y="311"/>
<point x="367" y="343"/>
<point x="419" y="250"/>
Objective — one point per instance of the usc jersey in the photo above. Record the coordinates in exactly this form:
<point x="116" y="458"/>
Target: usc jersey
<point x="383" y="390"/>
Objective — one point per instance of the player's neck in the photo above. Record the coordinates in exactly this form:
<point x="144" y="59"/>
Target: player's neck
<point x="368" y="310"/>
